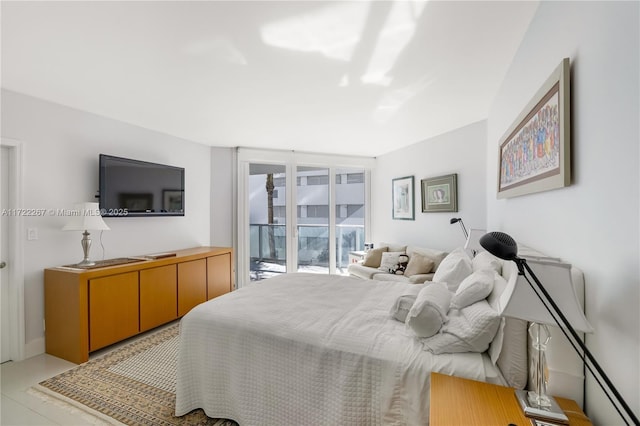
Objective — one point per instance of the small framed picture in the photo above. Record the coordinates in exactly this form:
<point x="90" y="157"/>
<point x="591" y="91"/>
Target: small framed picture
<point x="440" y="194"/>
<point x="402" y="198"/>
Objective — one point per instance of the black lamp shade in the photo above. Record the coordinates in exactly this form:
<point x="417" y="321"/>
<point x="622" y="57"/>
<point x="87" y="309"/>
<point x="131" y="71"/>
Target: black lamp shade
<point x="500" y="245"/>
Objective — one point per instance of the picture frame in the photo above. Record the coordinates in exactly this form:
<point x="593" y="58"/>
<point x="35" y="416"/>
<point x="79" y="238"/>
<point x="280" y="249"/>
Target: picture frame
<point x="534" y="153"/>
<point x="440" y="194"/>
<point x="402" y="198"/>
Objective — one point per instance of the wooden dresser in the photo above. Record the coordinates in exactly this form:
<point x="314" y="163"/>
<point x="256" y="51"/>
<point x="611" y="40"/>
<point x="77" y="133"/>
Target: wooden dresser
<point x="89" y="309"/>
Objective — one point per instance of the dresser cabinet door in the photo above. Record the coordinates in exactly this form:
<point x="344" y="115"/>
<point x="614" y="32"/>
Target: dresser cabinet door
<point x="158" y="296"/>
<point x="113" y="309"/>
<point x="192" y="285"/>
<point x="218" y="275"/>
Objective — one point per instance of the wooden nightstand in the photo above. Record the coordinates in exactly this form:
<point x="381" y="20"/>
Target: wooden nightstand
<point x="456" y="401"/>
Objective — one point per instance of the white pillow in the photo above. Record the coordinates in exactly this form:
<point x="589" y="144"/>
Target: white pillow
<point x="389" y="260"/>
<point x="474" y="288"/>
<point x="453" y="269"/>
<point x="469" y="329"/>
<point x="485" y="260"/>
<point x="403" y="303"/>
<point x="429" y="311"/>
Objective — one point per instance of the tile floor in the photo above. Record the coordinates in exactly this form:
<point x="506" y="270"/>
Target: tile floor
<point x="20" y="408"/>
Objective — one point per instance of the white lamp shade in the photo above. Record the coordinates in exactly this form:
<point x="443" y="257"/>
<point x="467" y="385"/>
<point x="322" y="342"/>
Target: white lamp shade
<point x="86" y="217"/>
<point x="523" y="303"/>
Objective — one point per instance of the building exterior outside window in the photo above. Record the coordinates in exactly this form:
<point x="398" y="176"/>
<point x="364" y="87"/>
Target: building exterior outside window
<point x="312" y="189"/>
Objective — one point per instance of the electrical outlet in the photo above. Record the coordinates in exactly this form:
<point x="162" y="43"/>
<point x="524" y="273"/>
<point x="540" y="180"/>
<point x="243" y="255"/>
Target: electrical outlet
<point x="32" y="234"/>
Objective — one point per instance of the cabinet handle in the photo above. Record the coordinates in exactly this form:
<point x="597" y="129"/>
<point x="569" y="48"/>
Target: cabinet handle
<point x="3" y="264"/>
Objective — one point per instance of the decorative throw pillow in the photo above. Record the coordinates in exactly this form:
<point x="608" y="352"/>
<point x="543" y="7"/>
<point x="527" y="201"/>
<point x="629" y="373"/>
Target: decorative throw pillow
<point x="389" y="260"/>
<point x="453" y="269"/>
<point x="372" y="257"/>
<point x="399" y="268"/>
<point x="474" y="288"/>
<point x="403" y="304"/>
<point x="419" y="264"/>
<point x="469" y="329"/>
<point x="429" y="311"/>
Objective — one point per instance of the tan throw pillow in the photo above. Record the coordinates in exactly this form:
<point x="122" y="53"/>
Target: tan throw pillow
<point x="373" y="257"/>
<point x="419" y="264"/>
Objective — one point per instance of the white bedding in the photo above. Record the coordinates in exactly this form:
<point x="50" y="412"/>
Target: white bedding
<point x="307" y="349"/>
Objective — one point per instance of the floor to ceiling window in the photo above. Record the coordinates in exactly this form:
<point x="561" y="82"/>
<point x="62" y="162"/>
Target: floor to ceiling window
<point x="299" y="217"/>
<point x="350" y="214"/>
<point x="267" y="220"/>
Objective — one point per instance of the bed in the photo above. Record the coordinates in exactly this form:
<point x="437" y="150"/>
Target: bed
<point x="323" y="349"/>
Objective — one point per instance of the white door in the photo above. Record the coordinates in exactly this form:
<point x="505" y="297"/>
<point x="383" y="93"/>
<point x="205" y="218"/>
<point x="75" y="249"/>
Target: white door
<point x="4" y="251"/>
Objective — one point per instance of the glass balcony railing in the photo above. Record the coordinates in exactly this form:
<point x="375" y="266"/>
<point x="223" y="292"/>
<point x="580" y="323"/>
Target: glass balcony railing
<point x="268" y="248"/>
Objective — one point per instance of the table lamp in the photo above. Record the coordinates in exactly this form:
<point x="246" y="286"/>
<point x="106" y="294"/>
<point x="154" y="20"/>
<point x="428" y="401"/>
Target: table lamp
<point x="86" y="217"/>
<point x="557" y="305"/>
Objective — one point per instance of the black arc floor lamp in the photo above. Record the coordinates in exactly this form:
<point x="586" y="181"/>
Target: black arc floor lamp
<point x="504" y="247"/>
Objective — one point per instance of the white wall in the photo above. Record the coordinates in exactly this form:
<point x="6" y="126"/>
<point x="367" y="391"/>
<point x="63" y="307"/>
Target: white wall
<point x="594" y="223"/>
<point x="61" y="147"/>
<point x="223" y="198"/>
<point x="461" y="151"/>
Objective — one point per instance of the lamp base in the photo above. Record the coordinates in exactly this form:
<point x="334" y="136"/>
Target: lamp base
<point x="551" y="412"/>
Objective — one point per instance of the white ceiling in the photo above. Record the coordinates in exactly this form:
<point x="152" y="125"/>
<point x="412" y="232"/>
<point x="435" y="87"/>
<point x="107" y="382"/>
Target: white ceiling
<point x="335" y="77"/>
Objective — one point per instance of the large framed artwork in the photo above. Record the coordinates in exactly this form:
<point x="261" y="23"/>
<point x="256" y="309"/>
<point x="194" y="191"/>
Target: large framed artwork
<point x="440" y="194"/>
<point x="534" y="153"/>
<point x="402" y="198"/>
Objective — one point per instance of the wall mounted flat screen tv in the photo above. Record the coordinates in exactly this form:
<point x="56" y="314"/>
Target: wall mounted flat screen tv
<point x="139" y="188"/>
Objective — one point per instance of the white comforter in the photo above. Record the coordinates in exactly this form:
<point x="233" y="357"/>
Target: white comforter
<point x="308" y="349"/>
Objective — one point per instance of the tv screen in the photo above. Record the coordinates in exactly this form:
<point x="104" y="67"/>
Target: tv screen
<point x="138" y="188"/>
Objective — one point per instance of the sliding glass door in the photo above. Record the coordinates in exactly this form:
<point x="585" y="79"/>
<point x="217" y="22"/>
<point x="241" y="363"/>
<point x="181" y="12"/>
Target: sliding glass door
<point x="312" y="219"/>
<point x="350" y="214"/>
<point x="267" y="220"/>
<point x="316" y="200"/>
<point x="297" y="217"/>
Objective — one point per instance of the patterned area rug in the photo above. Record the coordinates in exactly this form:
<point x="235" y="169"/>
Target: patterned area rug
<point x="134" y="384"/>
